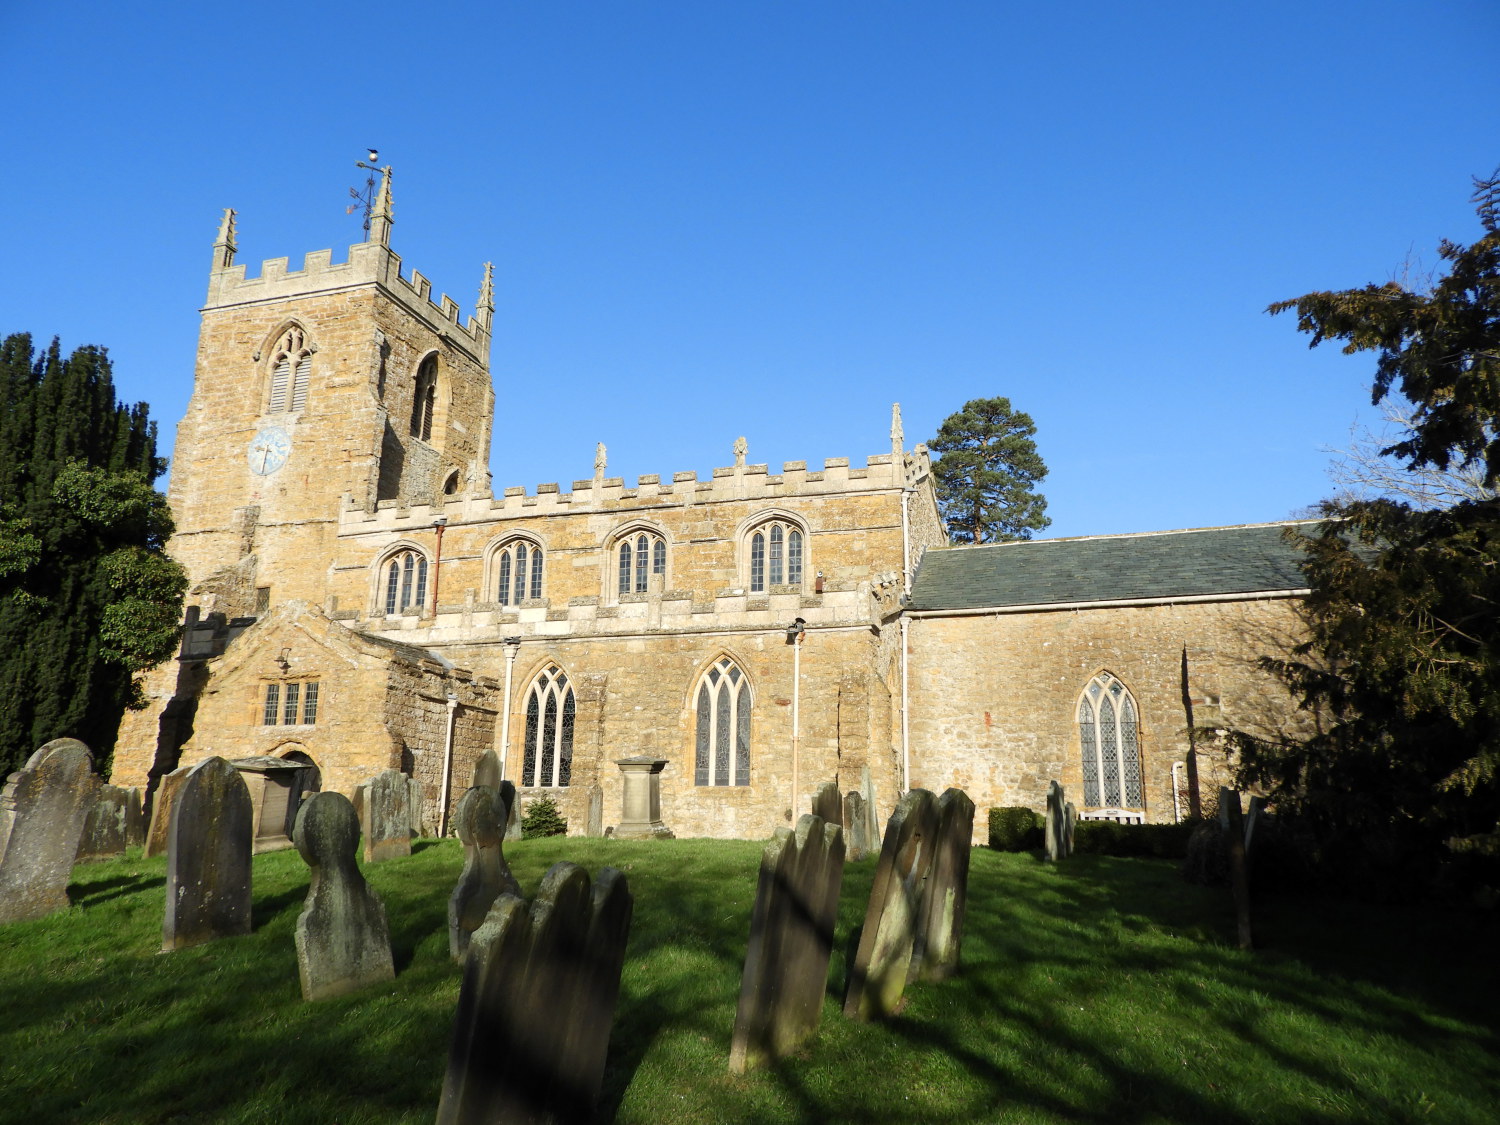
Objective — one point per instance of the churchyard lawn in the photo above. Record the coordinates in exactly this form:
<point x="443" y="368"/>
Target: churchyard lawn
<point x="1098" y="990"/>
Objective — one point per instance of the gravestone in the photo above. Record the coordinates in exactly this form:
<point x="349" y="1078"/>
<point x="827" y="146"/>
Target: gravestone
<point x="43" y="809"/>
<point x="1253" y="817"/>
<point x="596" y="811"/>
<point x="640" y="817"/>
<point x="877" y="979"/>
<point x="161" y="811"/>
<point x="791" y="939"/>
<point x="104" y="831"/>
<point x="418" y="807"/>
<point x="343" y="942"/>
<point x="276" y="787"/>
<point x="872" y="814"/>
<point x="1056" y="832"/>
<point x="940" y="923"/>
<point x="386" y="820"/>
<point x="1232" y="824"/>
<point x="1070" y="825"/>
<point x="536" y="1003"/>
<point x="512" y="818"/>
<point x="480" y="822"/>
<point x="208" y="857"/>
<point x="487" y="771"/>
<point x="856" y="827"/>
<point x="135" y="821"/>
<point x="827" y="805"/>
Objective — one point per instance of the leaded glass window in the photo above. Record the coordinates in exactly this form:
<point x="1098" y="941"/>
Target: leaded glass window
<point x="641" y="554"/>
<point x="291" y="369"/>
<point x="1108" y="738"/>
<point x="273" y="705"/>
<point x="776" y="556"/>
<point x="547" y="759"/>
<point x="723" y="732"/>
<point x="291" y="707"/>
<point x="519" y="567"/>
<point x="406" y="582"/>
<point x="424" y="399"/>
<point x="310" y="703"/>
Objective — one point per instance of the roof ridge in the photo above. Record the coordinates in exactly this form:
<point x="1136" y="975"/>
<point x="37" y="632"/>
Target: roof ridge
<point x="1135" y="534"/>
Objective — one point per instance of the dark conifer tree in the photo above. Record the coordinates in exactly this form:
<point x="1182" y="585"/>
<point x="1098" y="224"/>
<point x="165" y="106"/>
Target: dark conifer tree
<point x="986" y="473"/>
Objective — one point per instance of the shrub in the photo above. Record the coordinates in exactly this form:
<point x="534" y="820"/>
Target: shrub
<point x="1015" y="829"/>
<point x="541" y="818"/>
<point x="1105" y="837"/>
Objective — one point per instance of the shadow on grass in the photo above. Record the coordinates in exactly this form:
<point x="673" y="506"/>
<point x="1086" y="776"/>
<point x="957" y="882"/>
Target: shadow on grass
<point x="94" y="894"/>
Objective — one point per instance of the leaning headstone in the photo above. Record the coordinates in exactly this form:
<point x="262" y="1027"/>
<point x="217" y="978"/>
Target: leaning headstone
<point x="42" y="812"/>
<point x="487" y="771"/>
<point x="104" y="831"/>
<point x="856" y="827"/>
<point x="161" y="810"/>
<point x="791" y="939"/>
<point x="940" y="924"/>
<point x="513" y="817"/>
<point x="827" y="805"/>
<point x="343" y="942"/>
<point x="480" y="821"/>
<point x="387" y="816"/>
<point x="536" y="1003"/>
<point x="1056" y="831"/>
<point x="596" y="811"/>
<point x="882" y="963"/>
<point x="1231" y="822"/>
<point x="208" y="857"/>
<point x="135" y="821"/>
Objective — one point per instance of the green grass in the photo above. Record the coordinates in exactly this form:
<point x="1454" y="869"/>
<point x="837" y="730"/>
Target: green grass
<point x="1106" y="990"/>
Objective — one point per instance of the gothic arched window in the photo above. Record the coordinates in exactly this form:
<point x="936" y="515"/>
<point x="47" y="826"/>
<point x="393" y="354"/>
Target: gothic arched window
<point x="639" y="554"/>
<point x="723" y="731"/>
<point x="291" y="367"/>
<point x="1108" y="734"/>
<point x="548" y="757"/>
<point x="518" y="566"/>
<point x="405" y="582"/>
<point x="776" y="556"/>
<point x="424" y="399"/>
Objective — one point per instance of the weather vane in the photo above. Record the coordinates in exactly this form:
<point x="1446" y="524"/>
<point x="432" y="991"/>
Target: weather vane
<point x="365" y="199"/>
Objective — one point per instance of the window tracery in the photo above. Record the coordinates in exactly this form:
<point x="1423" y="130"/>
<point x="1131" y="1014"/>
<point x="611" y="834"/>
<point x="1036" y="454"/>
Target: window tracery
<point x="777" y="555"/>
<point x="518" y="569"/>
<point x="405" y="582"/>
<point x="639" y="556"/>
<point x="723" y="726"/>
<point x="1109" y="737"/>
<point x="291" y="369"/>
<point x="550" y="708"/>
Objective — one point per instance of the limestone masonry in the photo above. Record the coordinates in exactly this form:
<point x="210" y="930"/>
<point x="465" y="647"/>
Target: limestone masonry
<point x="361" y="600"/>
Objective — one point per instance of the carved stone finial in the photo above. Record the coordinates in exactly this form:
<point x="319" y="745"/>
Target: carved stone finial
<point x="383" y="217"/>
<point x="741" y="447"/>
<point x="224" y="245"/>
<point x="485" y="307"/>
<point x="898" y="435"/>
<point x="600" y="459"/>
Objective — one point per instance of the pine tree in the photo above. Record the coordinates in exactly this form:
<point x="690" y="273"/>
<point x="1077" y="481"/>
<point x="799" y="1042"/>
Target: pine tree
<point x="986" y="470"/>
<point x="88" y="597"/>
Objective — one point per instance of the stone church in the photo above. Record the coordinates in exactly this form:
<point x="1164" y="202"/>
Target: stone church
<point x="362" y="599"/>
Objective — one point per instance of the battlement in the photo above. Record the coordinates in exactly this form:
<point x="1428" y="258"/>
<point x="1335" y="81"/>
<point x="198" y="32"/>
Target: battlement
<point x="601" y="493"/>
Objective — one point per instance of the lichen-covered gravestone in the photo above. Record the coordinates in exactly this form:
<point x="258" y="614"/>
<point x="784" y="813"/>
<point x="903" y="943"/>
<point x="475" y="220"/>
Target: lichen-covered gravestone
<point x="42" y="812"/>
<point x="343" y="942"/>
<point x="480" y="821"/>
<point x="418" y="814"/>
<point x="386" y="816"/>
<point x="487" y="771"/>
<point x="208" y="857"/>
<point x="791" y="939"/>
<point x="856" y="828"/>
<point x="1058" y="838"/>
<point x="827" y="805"/>
<point x="596" y="811"/>
<point x="940" y="923"/>
<point x="135" y="822"/>
<point x="882" y="963"/>
<point x="104" y="832"/>
<point x="537" y="1002"/>
<point x="161" y="811"/>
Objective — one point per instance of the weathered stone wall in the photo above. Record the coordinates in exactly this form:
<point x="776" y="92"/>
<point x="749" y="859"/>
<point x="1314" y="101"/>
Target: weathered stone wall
<point x="994" y="697"/>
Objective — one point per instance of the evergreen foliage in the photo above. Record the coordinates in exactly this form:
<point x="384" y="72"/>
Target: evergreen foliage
<point x="542" y="818"/>
<point x="1015" y="828"/>
<point x="88" y="598"/>
<point x="1401" y="668"/>
<point x="986" y="470"/>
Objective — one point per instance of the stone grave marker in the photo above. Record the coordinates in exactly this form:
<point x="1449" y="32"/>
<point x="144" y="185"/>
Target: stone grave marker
<point x="104" y="831"/>
<point x="1056" y="833"/>
<point x="135" y="821"/>
<point x="827" y="805"/>
<point x="418" y="806"/>
<point x="1070" y="826"/>
<point x="856" y="827"/>
<point x="877" y="979"/>
<point x="512" y="818"/>
<point x="872" y="814"/>
<point x="640" y="817"/>
<point x="386" y="819"/>
<point x="480" y="822"/>
<point x="208" y="857"/>
<point x="1253" y="817"/>
<point x="487" y="771"/>
<point x="343" y="942"/>
<point x="596" y="811"/>
<point x="536" y="1003"/>
<point x="161" y="811"/>
<point x="940" y="923"/>
<point x="791" y="939"/>
<point x="43" y="809"/>
<point x="1231" y="823"/>
<point x="276" y="787"/>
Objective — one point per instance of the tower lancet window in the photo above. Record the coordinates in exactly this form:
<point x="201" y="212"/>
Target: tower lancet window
<point x="291" y="369"/>
<point x="424" y="399"/>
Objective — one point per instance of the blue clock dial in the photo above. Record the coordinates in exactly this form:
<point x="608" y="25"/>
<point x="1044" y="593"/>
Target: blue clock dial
<point x="268" y="450"/>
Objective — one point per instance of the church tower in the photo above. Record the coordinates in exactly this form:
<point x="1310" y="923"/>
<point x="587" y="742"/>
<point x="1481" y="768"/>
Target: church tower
<point x="335" y="384"/>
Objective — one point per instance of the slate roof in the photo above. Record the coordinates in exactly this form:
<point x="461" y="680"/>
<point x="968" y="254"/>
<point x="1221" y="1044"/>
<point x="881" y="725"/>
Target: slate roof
<point x="1163" y="564"/>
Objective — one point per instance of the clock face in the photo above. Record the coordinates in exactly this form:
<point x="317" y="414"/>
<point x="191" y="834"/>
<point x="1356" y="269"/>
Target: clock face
<point x="268" y="450"/>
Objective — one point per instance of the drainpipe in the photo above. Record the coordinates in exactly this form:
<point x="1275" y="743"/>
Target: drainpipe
<point x="905" y="725"/>
<point x="437" y="562"/>
<point x="447" y="764"/>
<point x="794" y="635"/>
<point x="1176" y="793"/>
<point x="512" y="649"/>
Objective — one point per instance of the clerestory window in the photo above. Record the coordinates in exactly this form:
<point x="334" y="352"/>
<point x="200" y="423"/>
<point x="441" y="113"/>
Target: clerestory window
<point x="638" y="556"/>
<point x="550" y="707"/>
<point x="723" y="728"/>
<point x="776" y="556"/>
<point x="518" y="565"/>
<point x="291" y="368"/>
<point x="405" y="582"/>
<point x="1108" y="735"/>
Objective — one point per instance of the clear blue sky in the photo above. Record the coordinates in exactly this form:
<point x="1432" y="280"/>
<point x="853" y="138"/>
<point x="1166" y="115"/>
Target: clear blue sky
<point x="775" y="219"/>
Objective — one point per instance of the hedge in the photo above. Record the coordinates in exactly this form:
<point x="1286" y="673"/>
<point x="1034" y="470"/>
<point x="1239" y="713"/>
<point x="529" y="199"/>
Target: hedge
<point x="1019" y="829"/>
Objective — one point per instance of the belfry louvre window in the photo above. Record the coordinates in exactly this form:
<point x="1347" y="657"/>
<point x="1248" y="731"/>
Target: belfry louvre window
<point x="293" y="704"/>
<point x="640" y="554"/>
<point x="723" y="748"/>
<point x="424" y="399"/>
<point x="548" y="756"/>
<point x="405" y="582"/>
<point x="775" y="556"/>
<point x="290" y="370"/>
<point x="519" y="566"/>
<point x="1109" y="737"/>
